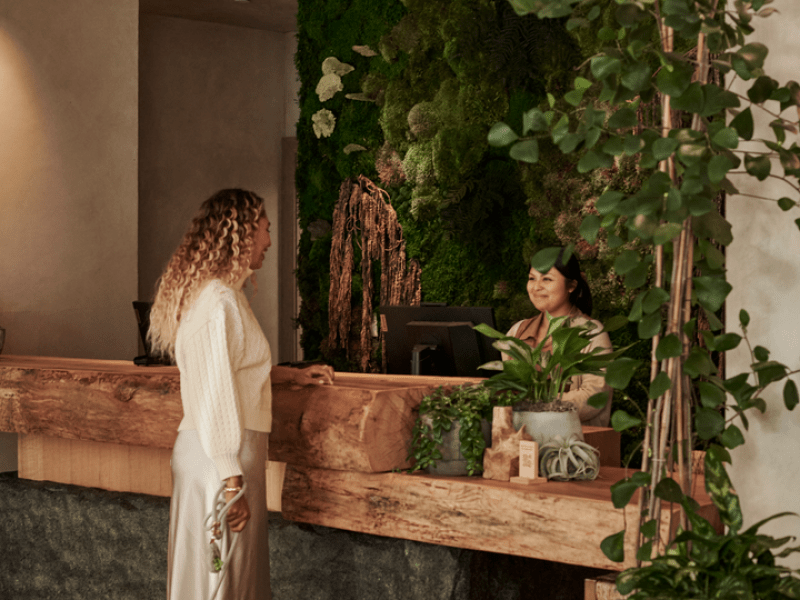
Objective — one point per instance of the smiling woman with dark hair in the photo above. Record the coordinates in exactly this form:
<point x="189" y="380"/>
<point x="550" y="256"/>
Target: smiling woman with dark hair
<point x="563" y="291"/>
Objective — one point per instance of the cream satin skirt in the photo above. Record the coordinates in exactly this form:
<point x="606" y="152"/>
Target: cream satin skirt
<point x="195" y="483"/>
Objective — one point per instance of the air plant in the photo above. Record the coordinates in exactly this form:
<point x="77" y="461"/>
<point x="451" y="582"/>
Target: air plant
<point x="563" y="460"/>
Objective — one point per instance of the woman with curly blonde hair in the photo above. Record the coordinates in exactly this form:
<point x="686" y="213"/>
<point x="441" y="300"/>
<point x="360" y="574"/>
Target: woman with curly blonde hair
<point x="202" y="318"/>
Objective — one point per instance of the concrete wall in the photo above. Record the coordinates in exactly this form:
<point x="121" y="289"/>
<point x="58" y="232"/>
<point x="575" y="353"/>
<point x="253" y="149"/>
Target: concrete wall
<point x="211" y="116"/>
<point x="764" y="269"/>
<point x="68" y="167"/>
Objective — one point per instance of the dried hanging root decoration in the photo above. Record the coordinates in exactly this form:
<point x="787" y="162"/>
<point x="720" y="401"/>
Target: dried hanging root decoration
<point x="364" y="216"/>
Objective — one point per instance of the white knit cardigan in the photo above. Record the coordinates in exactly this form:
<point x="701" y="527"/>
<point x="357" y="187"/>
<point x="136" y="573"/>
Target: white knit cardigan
<point x="224" y="361"/>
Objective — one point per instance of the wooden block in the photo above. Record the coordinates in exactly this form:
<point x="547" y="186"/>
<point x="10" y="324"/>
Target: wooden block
<point x="528" y="460"/>
<point x="602" y="587"/>
<point x="607" y="441"/>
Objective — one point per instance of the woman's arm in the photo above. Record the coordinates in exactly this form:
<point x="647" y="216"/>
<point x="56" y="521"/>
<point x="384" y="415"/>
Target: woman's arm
<point x="583" y="387"/>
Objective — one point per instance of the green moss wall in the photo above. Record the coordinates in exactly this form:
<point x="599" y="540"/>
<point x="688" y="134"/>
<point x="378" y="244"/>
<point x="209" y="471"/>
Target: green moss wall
<point x="414" y="119"/>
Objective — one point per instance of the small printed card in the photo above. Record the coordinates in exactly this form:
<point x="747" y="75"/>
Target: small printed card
<point x="528" y="459"/>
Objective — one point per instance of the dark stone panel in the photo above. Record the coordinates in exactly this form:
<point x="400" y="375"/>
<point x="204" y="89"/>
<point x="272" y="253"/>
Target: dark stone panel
<point x="67" y="542"/>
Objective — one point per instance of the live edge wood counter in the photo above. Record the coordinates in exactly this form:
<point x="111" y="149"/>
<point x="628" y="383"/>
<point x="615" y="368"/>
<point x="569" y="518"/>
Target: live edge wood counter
<point x="111" y="424"/>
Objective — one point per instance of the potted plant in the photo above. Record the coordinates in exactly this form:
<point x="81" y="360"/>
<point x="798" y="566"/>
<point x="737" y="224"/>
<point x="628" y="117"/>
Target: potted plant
<point x="536" y="379"/>
<point x="452" y="430"/>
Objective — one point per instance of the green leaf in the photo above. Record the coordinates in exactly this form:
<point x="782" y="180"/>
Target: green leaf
<point x="614" y="146"/>
<point x="654" y="299"/>
<point x="726" y="138"/>
<point x="769" y="371"/>
<point x="786" y="204"/>
<point x="525" y="151"/>
<point x="614" y="547"/>
<point x="501" y="135"/>
<point x="626" y="261"/>
<point x="615" y="322"/>
<point x="698" y="363"/>
<point x="608" y="201"/>
<point x="758" y="166"/>
<point x="668" y="489"/>
<point x="744" y="318"/>
<point x="533" y="120"/>
<point x="664" y="147"/>
<point x="574" y="97"/>
<point x="620" y="371"/>
<point x="691" y="100"/>
<point x="636" y="77"/>
<point x="649" y="326"/>
<point x="603" y="66"/>
<point x="743" y="124"/>
<point x="544" y="260"/>
<point x="669" y="347"/>
<point x="762" y="89"/>
<point x="709" y="423"/>
<point x="594" y="160"/>
<point x="726" y="341"/>
<point x="718" y="168"/>
<point x="649" y="529"/>
<point x="624" y="118"/>
<point x="659" y="385"/>
<point x="633" y="144"/>
<point x="713" y="225"/>
<point x="790" y="397"/>
<point x="590" y="226"/>
<point x="711" y="396"/>
<point x="675" y="80"/>
<point x="666" y="232"/>
<point x="753" y="55"/>
<point x="598" y="400"/>
<point x="621" y="421"/>
<point x="711" y="291"/>
<point x="731" y="437"/>
<point x="761" y="353"/>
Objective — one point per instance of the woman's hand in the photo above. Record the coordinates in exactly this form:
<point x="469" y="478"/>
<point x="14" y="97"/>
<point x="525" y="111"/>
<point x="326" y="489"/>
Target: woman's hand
<point x="310" y="375"/>
<point x="239" y="513"/>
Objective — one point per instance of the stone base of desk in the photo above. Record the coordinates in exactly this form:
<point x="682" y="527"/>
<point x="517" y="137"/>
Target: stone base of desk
<point x="69" y="542"/>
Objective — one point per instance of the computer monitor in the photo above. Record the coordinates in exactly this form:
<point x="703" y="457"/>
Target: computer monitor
<point x="436" y="339"/>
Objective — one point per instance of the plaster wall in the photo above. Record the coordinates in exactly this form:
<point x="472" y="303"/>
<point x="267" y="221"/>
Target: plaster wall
<point x="764" y="268"/>
<point x="68" y="167"/>
<point x="211" y="116"/>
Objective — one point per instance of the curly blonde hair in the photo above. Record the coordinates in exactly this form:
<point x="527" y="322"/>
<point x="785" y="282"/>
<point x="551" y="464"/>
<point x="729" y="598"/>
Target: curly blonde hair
<point x="216" y="246"/>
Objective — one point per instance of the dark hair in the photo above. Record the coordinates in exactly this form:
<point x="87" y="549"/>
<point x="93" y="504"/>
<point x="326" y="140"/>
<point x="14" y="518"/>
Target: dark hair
<point x="581" y="296"/>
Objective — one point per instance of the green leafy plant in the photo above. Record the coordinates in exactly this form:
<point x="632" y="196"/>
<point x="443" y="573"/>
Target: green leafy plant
<point x="467" y="405"/>
<point x="568" y="459"/>
<point x="536" y="375"/>
<point x="674" y="54"/>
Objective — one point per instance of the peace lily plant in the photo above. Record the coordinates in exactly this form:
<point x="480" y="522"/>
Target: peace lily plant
<point x="664" y="53"/>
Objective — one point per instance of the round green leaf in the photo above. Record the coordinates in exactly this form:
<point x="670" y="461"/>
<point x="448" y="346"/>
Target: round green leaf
<point x="620" y="371"/>
<point x="626" y="261"/>
<point x="594" y="160"/>
<point x="624" y="118"/>
<point x="669" y="490"/>
<point x="533" y="120"/>
<point x="501" y="135"/>
<point x="608" y="201"/>
<point x="718" y="168"/>
<point x="603" y="66"/>
<point x="589" y="228"/>
<point x="743" y="124"/>
<point x="673" y="81"/>
<point x="621" y="420"/>
<point x="636" y="77"/>
<point x="659" y="385"/>
<point x="790" y="397"/>
<point x="786" y="203"/>
<point x="744" y="318"/>
<point x="732" y="437"/>
<point x="711" y="291"/>
<point x="614" y="547"/>
<point x="726" y="138"/>
<point x="711" y="396"/>
<point x="649" y="326"/>
<point x="544" y="260"/>
<point x="726" y="341"/>
<point x="709" y="423"/>
<point x="669" y="347"/>
<point x="525" y="151"/>
<point x="664" y="147"/>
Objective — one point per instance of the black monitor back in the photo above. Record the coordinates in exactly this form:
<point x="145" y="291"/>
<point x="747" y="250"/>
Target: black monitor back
<point x="457" y="350"/>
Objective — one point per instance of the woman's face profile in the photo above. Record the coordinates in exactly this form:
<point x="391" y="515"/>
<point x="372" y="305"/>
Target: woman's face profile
<point x="261" y="243"/>
<point x="550" y="292"/>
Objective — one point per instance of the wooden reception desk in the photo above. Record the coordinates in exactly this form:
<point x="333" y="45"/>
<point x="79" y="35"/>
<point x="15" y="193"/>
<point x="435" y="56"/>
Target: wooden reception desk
<point x="336" y="455"/>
